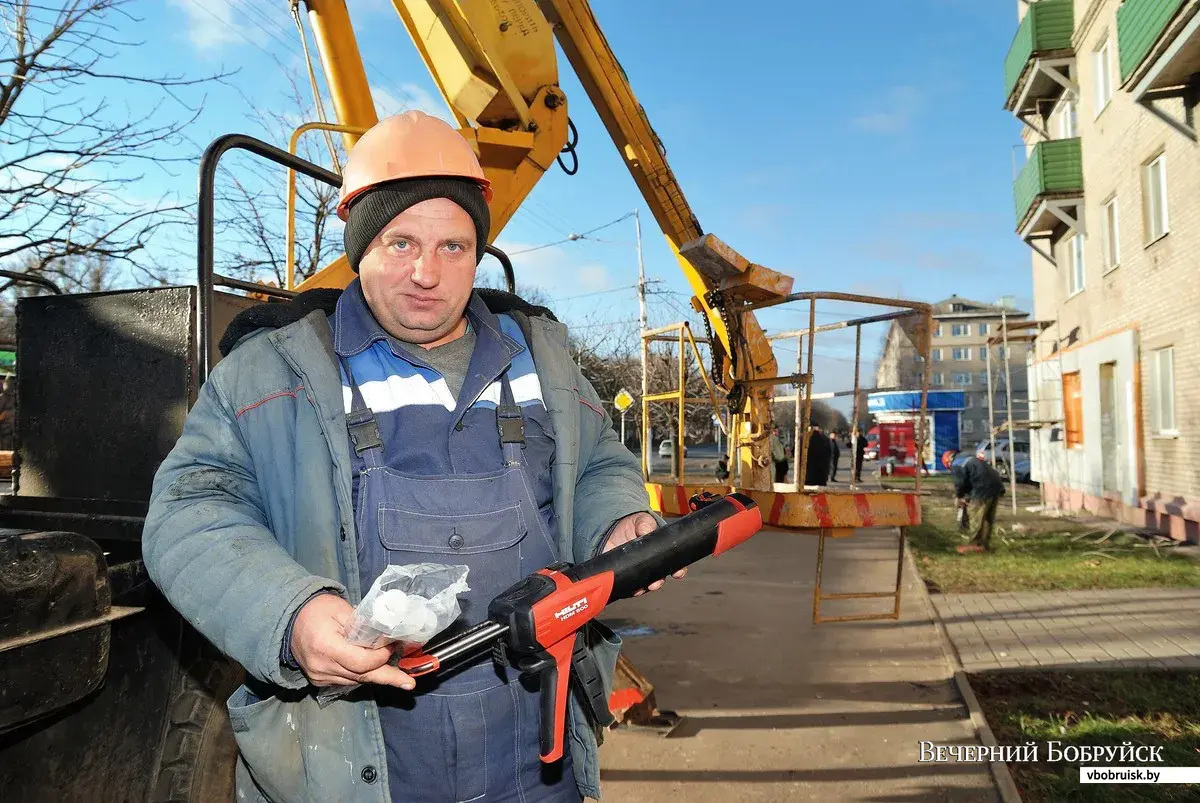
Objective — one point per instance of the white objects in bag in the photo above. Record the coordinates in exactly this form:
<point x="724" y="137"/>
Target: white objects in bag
<point x="407" y="606"/>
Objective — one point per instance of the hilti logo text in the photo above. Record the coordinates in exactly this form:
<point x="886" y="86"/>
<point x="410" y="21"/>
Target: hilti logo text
<point x="575" y="607"/>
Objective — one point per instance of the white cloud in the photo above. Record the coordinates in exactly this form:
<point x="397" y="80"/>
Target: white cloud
<point x="561" y="274"/>
<point x="893" y="113"/>
<point x="211" y="25"/>
<point x="412" y="96"/>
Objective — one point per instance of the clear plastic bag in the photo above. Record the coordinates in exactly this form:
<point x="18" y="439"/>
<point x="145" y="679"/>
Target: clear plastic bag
<point x="408" y="605"/>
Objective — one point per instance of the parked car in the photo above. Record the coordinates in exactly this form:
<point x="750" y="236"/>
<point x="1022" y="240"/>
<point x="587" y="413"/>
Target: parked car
<point x="667" y="449"/>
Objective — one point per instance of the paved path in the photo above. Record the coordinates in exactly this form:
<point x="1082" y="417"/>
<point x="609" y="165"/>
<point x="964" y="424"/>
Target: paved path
<point x="1120" y="628"/>
<point x="776" y="709"/>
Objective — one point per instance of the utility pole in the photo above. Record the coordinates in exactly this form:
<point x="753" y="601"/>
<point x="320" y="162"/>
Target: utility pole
<point x="646" y="432"/>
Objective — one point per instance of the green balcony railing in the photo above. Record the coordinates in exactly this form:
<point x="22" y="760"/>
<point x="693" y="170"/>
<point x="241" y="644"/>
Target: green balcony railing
<point x="1055" y="166"/>
<point x="1047" y="26"/>
<point x="1139" y="25"/>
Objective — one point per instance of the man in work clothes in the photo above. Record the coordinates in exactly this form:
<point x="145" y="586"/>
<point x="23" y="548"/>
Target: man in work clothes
<point x="408" y="419"/>
<point x="979" y="486"/>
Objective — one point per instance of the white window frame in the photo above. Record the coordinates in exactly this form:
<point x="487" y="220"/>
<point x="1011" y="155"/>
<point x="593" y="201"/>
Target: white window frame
<point x="937" y="378"/>
<point x="983" y="353"/>
<point x="960" y="330"/>
<point x="1163" y="420"/>
<point x="1103" y="67"/>
<point x="961" y="354"/>
<point x="1068" y="117"/>
<point x="954" y="380"/>
<point x="1152" y="235"/>
<point x="1110" y="235"/>
<point x="935" y="354"/>
<point x="984" y="329"/>
<point x="937" y="330"/>
<point x="1077" y="267"/>
<point x="968" y="426"/>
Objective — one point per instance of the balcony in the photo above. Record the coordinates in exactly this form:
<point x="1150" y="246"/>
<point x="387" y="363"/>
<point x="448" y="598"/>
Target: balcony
<point x="1159" y="43"/>
<point x="1049" y="190"/>
<point x="1041" y="61"/>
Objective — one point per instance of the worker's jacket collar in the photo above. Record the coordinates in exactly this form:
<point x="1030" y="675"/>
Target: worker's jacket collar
<point x="356" y="329"/>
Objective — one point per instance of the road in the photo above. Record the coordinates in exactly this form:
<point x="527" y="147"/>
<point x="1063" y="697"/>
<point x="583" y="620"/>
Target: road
<point x="777" y="709"/>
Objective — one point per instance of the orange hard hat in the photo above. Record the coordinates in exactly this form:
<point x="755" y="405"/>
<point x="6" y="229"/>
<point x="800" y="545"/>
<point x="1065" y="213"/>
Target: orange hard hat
<point x="408" y="145"/>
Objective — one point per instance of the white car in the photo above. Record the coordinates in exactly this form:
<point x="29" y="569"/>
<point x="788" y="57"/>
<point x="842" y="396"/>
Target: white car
<point x="667" y="449"/>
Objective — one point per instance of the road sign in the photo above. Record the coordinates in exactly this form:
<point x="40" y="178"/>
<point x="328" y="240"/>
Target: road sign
<point x="623" y="400"/>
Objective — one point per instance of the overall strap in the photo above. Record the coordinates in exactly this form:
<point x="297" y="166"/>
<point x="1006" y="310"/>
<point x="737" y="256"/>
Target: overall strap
<point x="510" y="424"/>
<point x="361" y="423"/>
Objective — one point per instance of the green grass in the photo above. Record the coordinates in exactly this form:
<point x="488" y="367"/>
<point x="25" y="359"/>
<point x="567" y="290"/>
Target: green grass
<point x="1094" y="708"/>
<point x="1035" y="552"/>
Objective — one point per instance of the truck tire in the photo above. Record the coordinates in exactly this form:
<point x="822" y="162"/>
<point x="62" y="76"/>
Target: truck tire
<point x="198" y="749"/>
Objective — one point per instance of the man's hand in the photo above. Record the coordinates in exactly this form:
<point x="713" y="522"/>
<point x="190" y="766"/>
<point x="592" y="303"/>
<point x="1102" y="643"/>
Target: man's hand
<point x="319" y="645"/>
<point x="629" y="528"/>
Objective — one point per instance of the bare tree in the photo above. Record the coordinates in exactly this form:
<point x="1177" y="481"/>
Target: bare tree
<point x="68" y="160"/>
<point x="250" y="237"/>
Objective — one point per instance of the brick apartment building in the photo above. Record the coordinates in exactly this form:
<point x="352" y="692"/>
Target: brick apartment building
<point x="958" y="359"/>
<point x="1109" y="201"/>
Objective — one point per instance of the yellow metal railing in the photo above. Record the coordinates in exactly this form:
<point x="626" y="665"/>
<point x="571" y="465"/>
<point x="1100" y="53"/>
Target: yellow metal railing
<point x="293" y="141"/>
<point x="679" y="395"/>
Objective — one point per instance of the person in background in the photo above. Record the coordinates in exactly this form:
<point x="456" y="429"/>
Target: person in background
<point x="860" y="451"/>
<point x="979" y="487"/>
<point x="779" y="456"/>
<point x="835" y="453"/>
<point x="816" y="471"/>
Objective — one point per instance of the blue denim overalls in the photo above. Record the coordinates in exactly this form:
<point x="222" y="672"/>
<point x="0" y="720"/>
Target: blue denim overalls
<point x="472" y="733"/>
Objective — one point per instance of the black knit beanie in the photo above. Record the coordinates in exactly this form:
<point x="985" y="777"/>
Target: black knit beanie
<point x="376" y="208"/>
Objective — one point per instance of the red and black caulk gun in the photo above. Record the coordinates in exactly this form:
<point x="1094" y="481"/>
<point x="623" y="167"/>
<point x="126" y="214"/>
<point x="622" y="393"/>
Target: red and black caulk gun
<point x="534" y="625"/>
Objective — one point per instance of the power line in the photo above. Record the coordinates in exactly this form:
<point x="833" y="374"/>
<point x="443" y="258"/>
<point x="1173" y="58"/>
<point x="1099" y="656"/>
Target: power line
<point x="621" y="289"/>
<point x="573" y="237"/>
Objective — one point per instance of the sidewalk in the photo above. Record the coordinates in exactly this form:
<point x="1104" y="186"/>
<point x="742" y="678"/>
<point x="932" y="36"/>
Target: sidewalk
<point x="1152" y="627"/>
<point x="776" y="709"/>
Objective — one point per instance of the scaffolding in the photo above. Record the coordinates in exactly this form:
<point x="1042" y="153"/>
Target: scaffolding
<point x="1009" y="333"/>
<point x="805" y="509"/>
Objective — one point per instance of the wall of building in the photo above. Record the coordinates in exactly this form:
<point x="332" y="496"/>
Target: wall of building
<point x="1082" y="467"/>
<point x="1154" y="289"/>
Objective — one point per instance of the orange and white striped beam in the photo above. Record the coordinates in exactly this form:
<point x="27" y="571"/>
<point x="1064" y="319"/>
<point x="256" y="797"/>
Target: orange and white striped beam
<point x="838" y="510"/>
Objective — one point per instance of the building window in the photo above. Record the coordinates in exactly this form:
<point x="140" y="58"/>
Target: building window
<point x="937" y="330"/>
<point x="1157" y="221"/>
<point x="937" y="377"/>
<point x="983" y="352"/>
<point x="968" y="425"/>
<point x="1076" y="275"/>
<point x="983" y="378"/>
<point x="970" y="400"/>
<point x="1102" y="64"/>
<point x="961" y="354"/>
<point x="1110" y="235"/>
<point x="1073" y="410"/>
<point x="984" y="328"/>
<point x="1068" y="119"/>
<point x="936" y="354"/>
<point x="1162" y="392"/>
<point x="961" y="380"/>
<point x="960" y="330"/>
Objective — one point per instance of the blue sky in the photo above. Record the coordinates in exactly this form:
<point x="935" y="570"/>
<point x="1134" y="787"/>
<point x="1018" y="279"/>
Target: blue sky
<point x="858" y="147"/>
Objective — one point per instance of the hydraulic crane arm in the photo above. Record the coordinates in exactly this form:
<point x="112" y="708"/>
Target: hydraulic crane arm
<point x="494" y="63"/>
